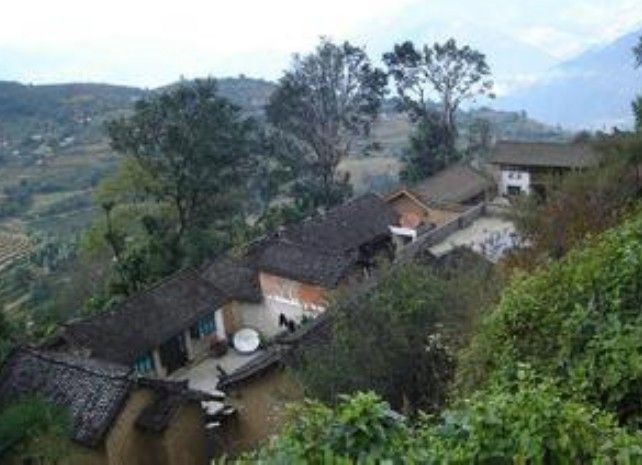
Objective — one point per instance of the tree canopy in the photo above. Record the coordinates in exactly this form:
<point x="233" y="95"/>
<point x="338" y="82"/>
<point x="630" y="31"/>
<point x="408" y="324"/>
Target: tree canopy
<point x="34" y="430"/>
<point x="323" y="102"/>
<point x="188" y="154"/>
<point x="400" y="338"/>
<point x="446" y="72"/>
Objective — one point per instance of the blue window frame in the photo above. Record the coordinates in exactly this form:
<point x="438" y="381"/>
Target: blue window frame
<point x="203" y="327"/>
<point x="144" y="364"/>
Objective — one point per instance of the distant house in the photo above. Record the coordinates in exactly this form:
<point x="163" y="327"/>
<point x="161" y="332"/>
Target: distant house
<point x="156" y="331"/>
<point x="525" y="167"/>
<point x="116" y="418"/>
<point x="440" y="198"/>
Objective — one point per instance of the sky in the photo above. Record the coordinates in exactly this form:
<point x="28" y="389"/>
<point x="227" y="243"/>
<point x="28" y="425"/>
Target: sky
<point x="151" y="43"/>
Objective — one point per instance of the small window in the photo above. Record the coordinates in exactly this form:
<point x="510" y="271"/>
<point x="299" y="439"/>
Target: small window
<point x="513" y="190"/>
<point x="203" y="327"/>
<point x="144" y="364"/>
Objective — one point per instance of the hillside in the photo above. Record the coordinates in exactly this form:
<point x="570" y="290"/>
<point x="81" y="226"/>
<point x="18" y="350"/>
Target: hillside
<point x="593" y="90"/>
<point x="54" y="151"/>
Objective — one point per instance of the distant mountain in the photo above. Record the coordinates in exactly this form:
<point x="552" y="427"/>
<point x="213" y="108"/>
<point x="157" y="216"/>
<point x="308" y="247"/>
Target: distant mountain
<point x="593" y="90"/>
<point x="513" y="62"/>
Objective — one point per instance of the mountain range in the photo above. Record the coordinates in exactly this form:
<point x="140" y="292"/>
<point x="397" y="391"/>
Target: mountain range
<point x="593" y="90"/>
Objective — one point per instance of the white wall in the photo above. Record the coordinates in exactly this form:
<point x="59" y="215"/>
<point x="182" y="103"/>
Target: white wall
<point x="521" y="179"/>
<point x="265" y="316"/>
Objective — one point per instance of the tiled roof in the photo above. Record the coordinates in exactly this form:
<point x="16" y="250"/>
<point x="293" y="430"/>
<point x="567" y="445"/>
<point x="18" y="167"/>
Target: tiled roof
<point x="346" y="227"/>
<point x="305" y="264"/>
<point x="545" y="154"/>
<point x="321" y="249"/>
<point x="455" y="184"/>
<point x="146" y="320"/>
<point x="92" y="391"/>
<point x="235" y="277"/>
<point x="256" y="367"/>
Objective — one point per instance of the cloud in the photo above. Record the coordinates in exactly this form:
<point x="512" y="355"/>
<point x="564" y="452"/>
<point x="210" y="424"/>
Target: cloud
<point x="557" y="42"/>
<point x="147" y="42"/>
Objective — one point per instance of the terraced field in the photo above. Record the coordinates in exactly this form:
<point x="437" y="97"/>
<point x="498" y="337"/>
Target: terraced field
<point x="13" y="247"/>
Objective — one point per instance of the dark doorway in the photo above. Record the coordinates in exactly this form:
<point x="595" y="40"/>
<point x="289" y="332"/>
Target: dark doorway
<point x="173" y="353"/>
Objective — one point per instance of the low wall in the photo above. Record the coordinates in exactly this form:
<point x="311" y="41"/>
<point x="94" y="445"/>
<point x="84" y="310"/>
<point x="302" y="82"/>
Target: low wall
<point x="441" y="233"/>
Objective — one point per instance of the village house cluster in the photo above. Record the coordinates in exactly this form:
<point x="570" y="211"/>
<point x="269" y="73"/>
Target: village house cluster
<point x="157" y="380"/>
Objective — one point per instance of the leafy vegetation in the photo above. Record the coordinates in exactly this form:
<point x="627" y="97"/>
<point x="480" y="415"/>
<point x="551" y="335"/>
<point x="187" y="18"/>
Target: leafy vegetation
<point x="576" y="321"/>
<point x="578" y="204"/>
<point x="324" y="102"/>
<point x="453" y="74"/>
<point x="187" y="152"/>
<point x="552" y="376"/>
<point x="526" y="423"/>
<point x="33" y="430"/>
<point x="400" y="338"/>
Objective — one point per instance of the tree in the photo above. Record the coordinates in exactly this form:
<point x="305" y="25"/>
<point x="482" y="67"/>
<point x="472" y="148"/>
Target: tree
<point x="576" y="321"/>
<point x="398" y="338"/>
<point x="450" y="73"/>
<point x="328" y="98"/>
<point x="637" y="113"/>
<point x="528" y="421"/>
<point x="578" y="204"/>
<point x="637" y="104"/>
<point x="33" y="430"/>
<point x="480" y="135"/>
<point x="188" y="152"/>
<point x="426" y="155"/>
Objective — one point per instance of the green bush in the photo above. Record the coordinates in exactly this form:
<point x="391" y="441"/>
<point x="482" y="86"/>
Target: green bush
<point x="33" y="429"/>
<point x="527" y="422"/>
<point x="578" y="320"/>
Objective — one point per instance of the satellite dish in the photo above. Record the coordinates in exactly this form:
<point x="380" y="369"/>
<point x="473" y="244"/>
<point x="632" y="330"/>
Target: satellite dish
<point x="247" y="340"/>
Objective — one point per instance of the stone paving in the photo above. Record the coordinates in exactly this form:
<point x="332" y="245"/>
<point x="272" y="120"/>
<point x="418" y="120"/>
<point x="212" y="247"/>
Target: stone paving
<point x="204" y="376"/>
<point x="490" y="236"/>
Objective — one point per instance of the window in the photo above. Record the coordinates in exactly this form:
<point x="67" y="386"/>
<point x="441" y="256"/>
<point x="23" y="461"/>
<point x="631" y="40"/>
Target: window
<point x="203" y="327"/>
<point x="144" y="364"/>
<point x="513" y="190"/>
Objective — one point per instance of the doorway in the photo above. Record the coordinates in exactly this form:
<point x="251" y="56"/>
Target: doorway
<point x="173" y="353"/>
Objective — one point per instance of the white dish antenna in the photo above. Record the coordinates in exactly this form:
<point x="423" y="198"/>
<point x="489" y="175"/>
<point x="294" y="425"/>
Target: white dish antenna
<point x="247" y="340"/>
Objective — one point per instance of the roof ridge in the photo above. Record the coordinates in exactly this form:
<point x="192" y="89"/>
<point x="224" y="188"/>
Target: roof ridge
<point x="325" y="252"/>
<point x="44" y="356"/>
<point x="118" y="308"/>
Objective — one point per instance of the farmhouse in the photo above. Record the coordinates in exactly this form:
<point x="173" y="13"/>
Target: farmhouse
<point x="299" y="265"/>
<point x="283" y="277"/>
<point x="116" y="417"/>
<point x="526" y="167"/>
<point x="440" y="198"/>
<point x="156" y="331"/>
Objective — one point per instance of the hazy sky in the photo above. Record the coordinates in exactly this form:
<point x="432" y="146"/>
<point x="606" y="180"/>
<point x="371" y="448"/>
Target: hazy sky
<point x="149" y="43"/>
